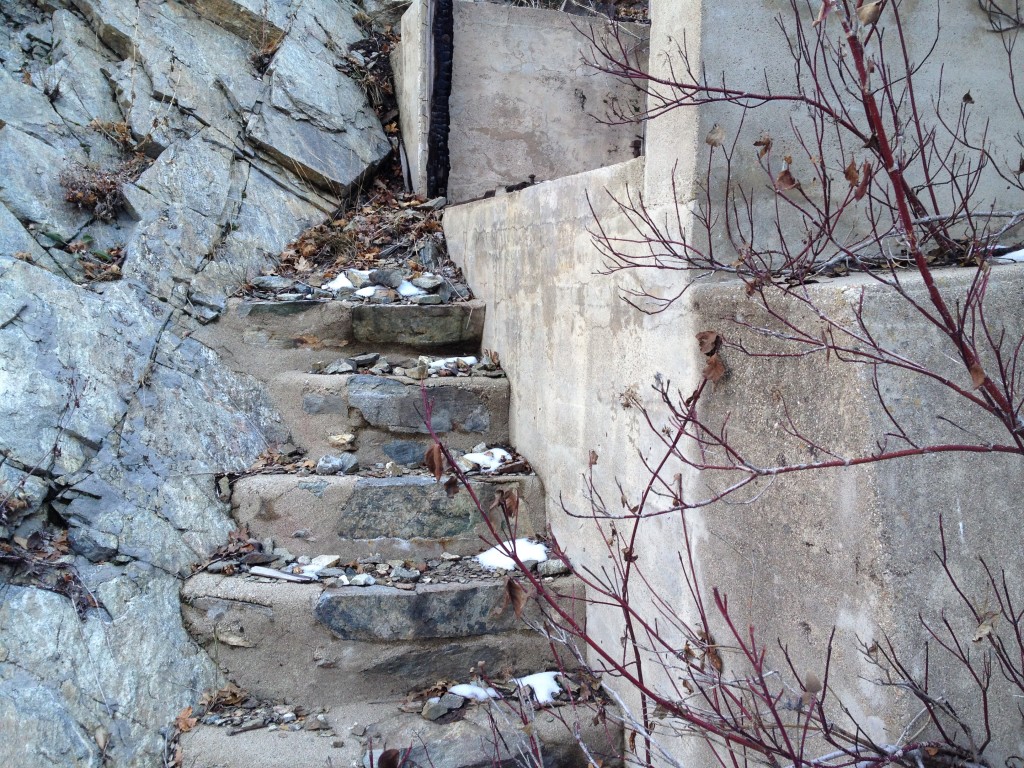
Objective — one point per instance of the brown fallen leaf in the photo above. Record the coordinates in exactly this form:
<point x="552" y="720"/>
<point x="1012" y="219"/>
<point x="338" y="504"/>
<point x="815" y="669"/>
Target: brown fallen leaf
<point x="865" y="179"/>
<point x="452" y="486"/>
<point x="709" y="342"/>
<point x="868" y="13"/>
<point x="715" y="136"/>
<point x="389" y="758"/>
<point x="764" y="145"/>
<point x="714" y="370"/>
<point x="517" y="596"/>
<point x="593" y="458"/>
<point x="852" y="174"/>
<point x="184" y="722"/>
<point x="986" y="627"/>
<point x="785" y="181"/>
<point x="508" y="501"/>
<point x="434" y="459"/>
<point x="977" y="376"/>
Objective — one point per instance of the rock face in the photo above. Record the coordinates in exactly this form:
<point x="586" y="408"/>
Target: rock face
<point x="195" y="139"/>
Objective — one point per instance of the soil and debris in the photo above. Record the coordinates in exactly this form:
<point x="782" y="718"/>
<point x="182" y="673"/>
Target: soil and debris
<point x="44" y="560"/>
<point x="268" y="561"/>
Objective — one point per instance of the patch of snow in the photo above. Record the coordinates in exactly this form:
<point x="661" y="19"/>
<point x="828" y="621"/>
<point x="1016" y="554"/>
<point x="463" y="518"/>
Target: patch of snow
<point x="407" y="289"/>
<point x="489" y="460"/>
<point x="339" y="283"/>
<point x="367" y="292"/>
<point x="544" y="685"/>
<point x="474" y="692"/>
<point x="446" y="361"/>
<point x="1013" y="257"/>
<point x="525" y="549"/>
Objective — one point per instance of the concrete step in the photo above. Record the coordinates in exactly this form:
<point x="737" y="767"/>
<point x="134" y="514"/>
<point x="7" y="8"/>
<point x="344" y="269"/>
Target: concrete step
<point x="409" y="518"/>
<point x="310" y="645"/>
<point x="387" y="413"/>
<point x="267" y="337"/>
<point x="467" y="742"/>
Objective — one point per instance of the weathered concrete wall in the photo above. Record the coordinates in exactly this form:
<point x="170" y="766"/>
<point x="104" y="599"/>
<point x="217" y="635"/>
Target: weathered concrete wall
<point x="523" y="102"/>
<point x="850" y="549"/>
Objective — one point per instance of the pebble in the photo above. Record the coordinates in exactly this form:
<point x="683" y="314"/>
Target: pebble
<point x="324" y="561"/>
<point x="362" y="580"/>
<point x="552" y="567"/>
<point x="405" y="574"/>
<point x="220" y="566"/>
<point x="365" y="360"/>
<point x="434" y="709"/>
<point x="344" y="442"/>
<point x="337" y="464"/>
<point x="340" y="366"/>
<point x="428" y="283"/>
<point x="392" y="278"/>
<point x="429" y="298"/>
<point x="272" y="282"/>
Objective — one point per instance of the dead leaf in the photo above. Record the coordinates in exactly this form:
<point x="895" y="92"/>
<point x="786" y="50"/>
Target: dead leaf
<point x="389" y="758"/>
<point x="869" y="12"/>
<point x="452" y="486"/>
<point x="517" y="596"/>
<point x="785" y="181"/>
<point x="811" y="683"/>
<point x="765" y="146"/>
<point x="715" y="658"/>
<point x="865" y="179"/>
<point x="987" y="625"/>
<point x="714" y="370"/>
<point x="184" y="722"/>
<point x="593" y="458"/>
<point x="508" y="502"/>
<point x="851" y="174"/>
<point x="434" y="459"/>
<point x="709" y="342"/>
<point x="978" y="376"/>
<point x="715" y="136"/>
<point x="967" y="99"/>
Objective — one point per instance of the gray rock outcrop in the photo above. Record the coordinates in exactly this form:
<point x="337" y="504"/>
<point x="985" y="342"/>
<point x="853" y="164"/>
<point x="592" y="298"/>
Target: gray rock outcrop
<point x="195" y="139"/>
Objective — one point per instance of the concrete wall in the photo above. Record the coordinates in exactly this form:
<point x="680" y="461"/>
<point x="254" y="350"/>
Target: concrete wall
<point x="523" y="102"/>
<point x="850" y="549"/>
<point x="413" y="69"/>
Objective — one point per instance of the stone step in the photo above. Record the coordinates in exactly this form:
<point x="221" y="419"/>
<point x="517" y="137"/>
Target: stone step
<point x="409" y="518"/>
<point x="387" y="413"/>
<point x="267" y="337"/>
<point x="467" y="742"/>
<point x="315" y="646"/>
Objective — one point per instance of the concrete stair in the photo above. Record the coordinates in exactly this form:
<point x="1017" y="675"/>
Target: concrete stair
<point x="358" y="651"/>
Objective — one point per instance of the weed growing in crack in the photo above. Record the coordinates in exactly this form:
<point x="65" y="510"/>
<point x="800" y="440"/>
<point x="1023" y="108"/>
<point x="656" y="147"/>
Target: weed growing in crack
<point x="100" y="191"/>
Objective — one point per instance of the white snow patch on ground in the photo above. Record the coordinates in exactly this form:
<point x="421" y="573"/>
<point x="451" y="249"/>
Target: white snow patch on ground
<point x="544" y="686"/>
<point x="525" y="549"/>
<point x="474" y="692"/>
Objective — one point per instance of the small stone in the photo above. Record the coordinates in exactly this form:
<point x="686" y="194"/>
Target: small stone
<point x="220" y="566"/>
<point x="421" y="371"/>
<point x="453" y="291"/>
<point x="318" y="723"/>
<point x="304" y="560"/>
<point x="291" y="296"/>
<point x="302" y="533"/>
<point x="383" y="296"/>
<point x="434" y="709"/>
<point x="337" y="743"/>
<point x="429" y="298"/>
<point x="404" y="585"/>
<point x="428" y="283"/>
<point x="364" y="361"/>
<point x="339" y="366"/>
<point x="358" y="729"/>
<point x="224" y="488"/>
<point x="452" y="701"/>
<point x="530" y="565"/>
<point x="552" y="567"/>
<point x="392" y="278"/>
<point x="288" y="717"/>
<point x="320" y="562"/>
<point x="382" y="568"/>
<point x="343" y="442"/>
<point x="405" y="574"/>
<point x="381" y="369"/>
<point x="359" y="278"/>
<point x="283" y="554"/>
<point x="272" y="282"/>
<point x="362" y="580"/>
<point x="337" y="464"/>
<point x="449" y="556"/>
<point x="434" y="204"/>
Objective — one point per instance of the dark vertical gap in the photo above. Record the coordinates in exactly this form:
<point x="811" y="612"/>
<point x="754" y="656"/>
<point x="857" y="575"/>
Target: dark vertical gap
<point x="443" y="38"/>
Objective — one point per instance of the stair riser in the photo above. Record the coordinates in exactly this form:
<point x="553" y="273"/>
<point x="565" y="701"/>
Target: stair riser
<point x="388" y="416"/>
<point x="293" y="657"/>
<point x="265" y="338"/>
<point x="410" y="518"/>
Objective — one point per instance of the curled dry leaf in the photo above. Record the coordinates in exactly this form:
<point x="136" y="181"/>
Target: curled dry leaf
<point x="852" y="174"/>
<point x="764" y="145"/>
<point x="389" y="758"/>
<point x="977" y="376"/>
<point x="715" y="136"/>
<point x="709" y="342"/>
<point x="868" y="13"/>
<point x="786" y="181"/>
<point x="452" y="486"/>
<point x="184" y="722"/>
<point x="508" y="501"/>
<point x="968" y="99"/>
<point x="715" y="369"/>
<point x="517" y="596"/>
<point x="986" y="627"/>
<point x="593" y="458"/>
<point x="865" y="179"/>
<point x="434" y="459"/>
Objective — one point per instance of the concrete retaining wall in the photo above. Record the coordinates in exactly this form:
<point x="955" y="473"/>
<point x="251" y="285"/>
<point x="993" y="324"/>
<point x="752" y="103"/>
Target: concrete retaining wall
<point x="850" y="548"/>
<point x="523" y="102"/>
